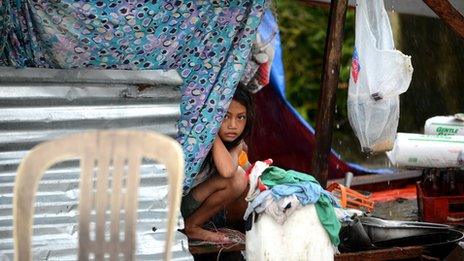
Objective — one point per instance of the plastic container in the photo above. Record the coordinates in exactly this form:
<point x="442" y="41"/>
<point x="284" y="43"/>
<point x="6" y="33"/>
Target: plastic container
<point x="441" y="208"/>
<point x="350" y="198"/>
<point x="426" y="151"/>
<point x="444" y="125"/>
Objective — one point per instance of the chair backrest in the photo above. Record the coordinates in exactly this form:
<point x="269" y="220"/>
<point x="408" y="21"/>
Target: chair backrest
<point x="110" y="163"/>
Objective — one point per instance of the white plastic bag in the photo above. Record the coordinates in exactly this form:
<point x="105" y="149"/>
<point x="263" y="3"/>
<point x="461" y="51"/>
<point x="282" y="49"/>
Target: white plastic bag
<point x="301" y="237"/>
<point x="379" y="74"/>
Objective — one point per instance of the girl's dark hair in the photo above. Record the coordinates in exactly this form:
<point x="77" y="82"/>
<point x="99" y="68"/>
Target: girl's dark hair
<point x="244" y="97"/>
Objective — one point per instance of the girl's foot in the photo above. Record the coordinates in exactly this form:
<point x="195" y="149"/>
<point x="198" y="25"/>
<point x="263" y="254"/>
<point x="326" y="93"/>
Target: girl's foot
<point x="198" y="233"/>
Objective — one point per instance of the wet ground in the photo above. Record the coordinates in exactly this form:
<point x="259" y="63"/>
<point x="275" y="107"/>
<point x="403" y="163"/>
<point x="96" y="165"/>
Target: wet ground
<point x="400" y="209"/>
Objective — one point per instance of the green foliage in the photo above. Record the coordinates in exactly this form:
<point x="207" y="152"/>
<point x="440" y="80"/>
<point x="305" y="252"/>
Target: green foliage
<point x="303" y="33"/>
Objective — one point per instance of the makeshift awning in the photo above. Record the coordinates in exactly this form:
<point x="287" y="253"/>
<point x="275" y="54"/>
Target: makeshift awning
<point x="207" y="42"/>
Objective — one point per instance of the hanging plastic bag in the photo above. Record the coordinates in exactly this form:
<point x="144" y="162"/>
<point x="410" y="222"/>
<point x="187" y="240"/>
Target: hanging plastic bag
<point x="379" y="74"/>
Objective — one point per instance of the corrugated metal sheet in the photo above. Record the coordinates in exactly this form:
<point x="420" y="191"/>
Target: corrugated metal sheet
<point x="42" y="104"/>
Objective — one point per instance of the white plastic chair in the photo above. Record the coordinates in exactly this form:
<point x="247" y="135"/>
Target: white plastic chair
<point x="105" y="157"/>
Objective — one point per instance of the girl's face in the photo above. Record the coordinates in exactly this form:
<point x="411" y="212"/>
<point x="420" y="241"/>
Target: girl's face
<point x="234" y="122"/>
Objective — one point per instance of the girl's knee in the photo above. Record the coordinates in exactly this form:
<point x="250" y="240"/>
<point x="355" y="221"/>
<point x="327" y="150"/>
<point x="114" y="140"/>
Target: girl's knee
<point x="239" y="182"/>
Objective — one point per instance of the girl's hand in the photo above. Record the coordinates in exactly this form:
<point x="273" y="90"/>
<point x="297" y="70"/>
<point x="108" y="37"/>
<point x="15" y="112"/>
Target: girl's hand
<point x="239" y="148"/>
<point x="244" y="146"/>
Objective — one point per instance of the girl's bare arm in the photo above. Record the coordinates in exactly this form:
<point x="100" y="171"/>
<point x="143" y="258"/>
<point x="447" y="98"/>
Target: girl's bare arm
<point x="226" y="162"/>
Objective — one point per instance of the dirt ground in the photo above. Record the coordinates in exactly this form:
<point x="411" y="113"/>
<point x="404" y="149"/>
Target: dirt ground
<point x="400" y="209"/>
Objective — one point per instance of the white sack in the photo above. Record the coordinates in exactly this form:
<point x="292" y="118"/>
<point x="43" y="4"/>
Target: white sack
<point x="379" y="74"/>
<point x="301" y="237"/>
<point x="429" y="151"/>
<point x="444" y="125"/>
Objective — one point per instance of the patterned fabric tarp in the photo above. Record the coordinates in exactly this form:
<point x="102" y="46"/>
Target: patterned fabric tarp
<point x="207" y="42"/>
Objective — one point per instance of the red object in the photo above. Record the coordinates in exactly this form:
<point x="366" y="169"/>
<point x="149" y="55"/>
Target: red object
<point x="355" y="67"/>
<point x="441" y="208"/>
<point x="263" y="74"/>
<point x="408" y="192"/>
<point x="261" y="185"/>
<point x="280" y="135"/>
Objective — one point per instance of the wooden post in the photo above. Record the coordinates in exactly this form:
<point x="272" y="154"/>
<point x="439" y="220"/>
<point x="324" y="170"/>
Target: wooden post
<point x="448" y="14"/>
<point x="326" y="103"/>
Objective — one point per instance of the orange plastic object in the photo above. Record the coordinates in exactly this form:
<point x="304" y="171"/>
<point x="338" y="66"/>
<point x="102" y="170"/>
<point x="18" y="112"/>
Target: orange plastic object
<point x="350" y="198"/>
<point x="242" y="159"/>
<point x="408" y="192"/>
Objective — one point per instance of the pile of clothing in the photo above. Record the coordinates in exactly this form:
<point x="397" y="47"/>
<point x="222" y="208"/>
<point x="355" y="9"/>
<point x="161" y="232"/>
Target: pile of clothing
<point x="279" y="193"/>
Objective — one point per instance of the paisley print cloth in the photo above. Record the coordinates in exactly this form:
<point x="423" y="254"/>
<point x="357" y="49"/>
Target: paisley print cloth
<point x="207" y="42"/>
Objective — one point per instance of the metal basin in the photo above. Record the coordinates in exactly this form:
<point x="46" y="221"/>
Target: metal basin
<point x="380" y="230"/>
<point x="369" y="233"/>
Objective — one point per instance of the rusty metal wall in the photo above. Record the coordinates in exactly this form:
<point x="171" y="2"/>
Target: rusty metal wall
<point x="42" y="104"/>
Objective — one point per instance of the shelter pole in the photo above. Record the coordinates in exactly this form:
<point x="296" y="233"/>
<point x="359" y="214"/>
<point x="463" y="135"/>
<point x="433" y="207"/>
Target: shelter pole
<point x="326" y="103"/>
<point x="448" y="14"/>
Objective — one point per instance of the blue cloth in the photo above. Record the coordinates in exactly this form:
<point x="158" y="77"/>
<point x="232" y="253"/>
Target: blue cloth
<point x="257" y="203"/>
<point x="306" y="192"/>
<point x="207" y="42"/>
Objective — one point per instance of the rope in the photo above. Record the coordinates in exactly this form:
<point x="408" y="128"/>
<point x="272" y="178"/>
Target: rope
<point x="236" y="237"/>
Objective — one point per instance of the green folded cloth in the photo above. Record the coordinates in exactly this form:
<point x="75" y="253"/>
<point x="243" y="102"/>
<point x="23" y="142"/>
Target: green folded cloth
<point x="276" y="176"/>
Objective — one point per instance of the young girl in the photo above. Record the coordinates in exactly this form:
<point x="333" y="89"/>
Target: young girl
<point x="221" y="181"/>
